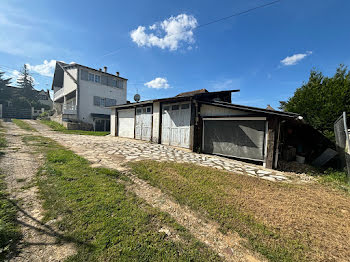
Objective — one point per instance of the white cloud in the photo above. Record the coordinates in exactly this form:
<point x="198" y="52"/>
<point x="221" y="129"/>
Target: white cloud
<point x="294" y="59"/>
<point x="226" y="84"/>
<point x="169" y="33"/>
<point x="158" y="83"/>
<point x="45" y="69"/>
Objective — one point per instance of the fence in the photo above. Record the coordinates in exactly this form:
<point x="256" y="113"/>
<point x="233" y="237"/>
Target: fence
<point x="342" y="141"/>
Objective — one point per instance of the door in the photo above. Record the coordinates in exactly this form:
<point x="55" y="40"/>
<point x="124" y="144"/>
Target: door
<point x="126" y="122"/>
<point x="241" y="138"/>
<point x="176" y="121"/>
<point x="143" y="127"/>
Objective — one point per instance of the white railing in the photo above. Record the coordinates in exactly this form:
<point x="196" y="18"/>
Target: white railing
<point x="58" y="94"/>
<point x="69" y="109"/>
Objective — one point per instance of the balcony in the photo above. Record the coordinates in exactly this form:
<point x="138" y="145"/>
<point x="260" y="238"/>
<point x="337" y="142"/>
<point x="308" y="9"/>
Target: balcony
<point x="69" y="109"/>
<point x="58" y="94"/>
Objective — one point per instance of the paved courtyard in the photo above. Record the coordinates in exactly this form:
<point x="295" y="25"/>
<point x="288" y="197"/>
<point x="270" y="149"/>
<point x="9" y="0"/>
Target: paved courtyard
<point x="113" y="152"/>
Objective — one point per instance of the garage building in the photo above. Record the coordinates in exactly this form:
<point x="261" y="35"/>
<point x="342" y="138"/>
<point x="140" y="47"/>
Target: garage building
<point x="205" y="122"/>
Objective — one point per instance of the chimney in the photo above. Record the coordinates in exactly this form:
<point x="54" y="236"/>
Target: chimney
<point x="117" y="73"/>
<point x="105" y="69"/>
<point x="100" y="69"/>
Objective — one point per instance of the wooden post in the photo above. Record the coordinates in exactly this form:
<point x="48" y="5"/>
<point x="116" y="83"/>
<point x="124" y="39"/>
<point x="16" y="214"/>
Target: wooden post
<point x="271" y="133"/>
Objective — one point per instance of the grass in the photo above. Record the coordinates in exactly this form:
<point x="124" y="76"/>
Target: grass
<point x="60" y="128"/>
<point x="106" y="222"/>
<point x="9" y="230"/>
<point x="24" y="125"/>
<point x="283" y="222"/>
<point x="335" y="178"/>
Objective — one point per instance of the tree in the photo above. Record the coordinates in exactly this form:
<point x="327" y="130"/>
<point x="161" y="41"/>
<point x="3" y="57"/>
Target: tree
<point x="322" y="99"/>
<point x="5" y="91"/>
<point x="26" y="82"/>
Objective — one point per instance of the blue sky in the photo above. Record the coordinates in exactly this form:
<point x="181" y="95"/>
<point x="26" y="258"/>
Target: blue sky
<point x="161" y="48"/>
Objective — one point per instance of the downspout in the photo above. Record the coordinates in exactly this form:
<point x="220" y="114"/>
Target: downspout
<point x="78" y="93"/>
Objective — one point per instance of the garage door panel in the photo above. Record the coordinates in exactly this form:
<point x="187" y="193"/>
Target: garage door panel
<point x="126" y="119"/>
<point x="237" y="138"/>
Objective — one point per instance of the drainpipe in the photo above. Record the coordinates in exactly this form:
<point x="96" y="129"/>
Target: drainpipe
<point x="77" y="94"/>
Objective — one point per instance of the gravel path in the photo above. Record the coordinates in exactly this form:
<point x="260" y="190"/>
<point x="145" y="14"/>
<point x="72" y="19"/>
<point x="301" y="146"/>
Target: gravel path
<point x="40" y="240"/>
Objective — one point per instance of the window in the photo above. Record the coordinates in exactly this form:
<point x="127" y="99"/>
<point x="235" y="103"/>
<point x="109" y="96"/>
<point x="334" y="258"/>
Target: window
<point x="84" y="75"/>
<point x="103" y="102"/>
<point x="166" y="108"/>
<point x="110" y="102"/>
<point x="138" y="111"/>
<point x="175" y="107"/>
<point x="185" y="106"/>
<point x="91" y="77"/>
<point x="97" y="101"/>
<point x="120" y="83"/>
<point x="148" y="110"/>
<point x="144" y="110"/>
<point x="97" y="78"/>
<point x="104" y="80"/>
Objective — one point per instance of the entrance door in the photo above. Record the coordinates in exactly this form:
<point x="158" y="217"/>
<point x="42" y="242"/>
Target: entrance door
<point x="176" y="121"/>
<point x="241" y="138"/>
<point x="143" y="127"/>
<point x="126" y="119"/>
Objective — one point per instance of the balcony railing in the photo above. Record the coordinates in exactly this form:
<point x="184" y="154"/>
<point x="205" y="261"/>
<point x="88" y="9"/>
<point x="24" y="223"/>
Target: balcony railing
<point x="69" y="109"/>
<point x="58" y="94"/>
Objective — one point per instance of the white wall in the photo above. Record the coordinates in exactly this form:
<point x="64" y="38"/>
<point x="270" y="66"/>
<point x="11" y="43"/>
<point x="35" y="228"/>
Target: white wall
<point x="88" y="90"/>
<point x="156" y="123"/>
<point x="113" y="122"/>
<point x="209" y="110"/>
<point x="68" y="83"/>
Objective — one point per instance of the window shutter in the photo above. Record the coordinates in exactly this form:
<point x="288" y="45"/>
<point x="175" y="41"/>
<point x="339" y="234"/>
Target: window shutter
<point x="97" y="101"/>
<point x="84" y="75"/>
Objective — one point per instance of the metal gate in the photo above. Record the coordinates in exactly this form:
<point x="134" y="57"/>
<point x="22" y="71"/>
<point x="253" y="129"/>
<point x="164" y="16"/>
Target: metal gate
<point x="176" y="121"/>
<point x="235" y="136"/>
<point x="342" y="141"/>
<point x="143" y="126"/>
<point x="126" y="122"/>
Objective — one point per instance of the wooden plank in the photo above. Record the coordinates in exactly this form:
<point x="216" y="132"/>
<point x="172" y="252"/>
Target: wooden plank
<point x="272" y="126"/>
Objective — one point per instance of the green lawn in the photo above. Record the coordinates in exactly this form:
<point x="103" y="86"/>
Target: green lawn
<point x="23" y="125"/>
<point x="60" y="128"/>
<point x="106" y="222"/>
<point x="283" y="222"/>
<point x="9" y="230"/>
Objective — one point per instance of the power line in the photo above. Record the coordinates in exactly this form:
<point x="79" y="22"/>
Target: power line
<point x="237" y="14"/>
<point x="208" y="23"/>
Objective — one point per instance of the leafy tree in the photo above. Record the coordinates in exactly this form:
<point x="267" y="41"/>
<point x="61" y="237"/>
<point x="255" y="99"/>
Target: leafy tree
<point x="26" y="82"/>
<point x="322" y="99"/>
<point x="5" y="92"/>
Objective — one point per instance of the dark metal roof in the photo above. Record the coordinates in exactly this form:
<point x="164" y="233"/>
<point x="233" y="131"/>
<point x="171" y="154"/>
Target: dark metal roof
<point x="93" y="69"/>
<point x="100" y="115"/>
<point x="251" y="109"/>
<point x="180" y="97"/>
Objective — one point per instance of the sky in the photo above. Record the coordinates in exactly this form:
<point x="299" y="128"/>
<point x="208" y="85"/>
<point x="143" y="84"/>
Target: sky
<point x="167" y="47"/>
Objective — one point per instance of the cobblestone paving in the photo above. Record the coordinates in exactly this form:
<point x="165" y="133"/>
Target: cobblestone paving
<point x="105" y="151"/>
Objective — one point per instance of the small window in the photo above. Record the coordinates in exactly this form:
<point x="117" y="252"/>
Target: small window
<point x="84" y="75"/>
<point x="148" y="110"/>
<point x="91" y="77"/>
<point x="144" y="110"/>
<point x="175" y="107"/>
<point x="185" y="106"/>
<point x="97" y="78"/>
<point x="139" y="111"/>
<point x="103" y="102"/>
<point x="166" y="108"/>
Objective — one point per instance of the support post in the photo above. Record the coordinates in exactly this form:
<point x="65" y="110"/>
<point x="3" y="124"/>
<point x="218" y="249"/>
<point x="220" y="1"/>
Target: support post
<point x="271" y="133"/>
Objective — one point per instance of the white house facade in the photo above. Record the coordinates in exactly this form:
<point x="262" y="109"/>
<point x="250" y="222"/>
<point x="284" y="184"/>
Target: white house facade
<point x="81" y="94"/>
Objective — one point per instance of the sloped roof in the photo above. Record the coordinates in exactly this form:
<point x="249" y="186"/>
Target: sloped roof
<point x="192" y="93"/>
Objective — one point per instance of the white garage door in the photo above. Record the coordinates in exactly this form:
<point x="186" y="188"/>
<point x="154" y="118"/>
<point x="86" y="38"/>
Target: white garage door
<point x="176" y="120"/>
<point x="143" y="123"/>
<point x="236" y="137"/>
<point x="126" y="122"/>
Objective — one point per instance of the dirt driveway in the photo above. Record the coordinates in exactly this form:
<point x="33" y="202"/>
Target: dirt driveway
<point x="41" y="241"/>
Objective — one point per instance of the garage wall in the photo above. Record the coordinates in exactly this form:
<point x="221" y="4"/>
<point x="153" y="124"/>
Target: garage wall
<point x="113" y="122"/>
<point x="208" y="110"/>
<point x="126" y="122"/>
<point x="156" y="122"/>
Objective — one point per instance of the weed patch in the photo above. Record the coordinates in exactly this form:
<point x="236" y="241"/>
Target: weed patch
<point x="24" y="125"/>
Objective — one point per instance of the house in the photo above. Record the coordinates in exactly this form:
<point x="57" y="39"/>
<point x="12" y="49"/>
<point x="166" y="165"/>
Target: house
<point x="81" y="95"/>
<point x="43" y="97"/>
<point x="208" y="122"/>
